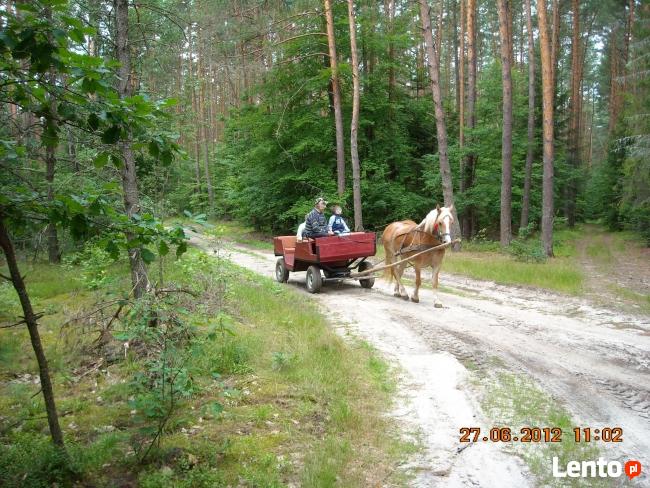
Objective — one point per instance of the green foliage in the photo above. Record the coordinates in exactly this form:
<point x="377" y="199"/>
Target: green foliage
<point x="93" y="262"/>
<point x="527" y="251"/>
<point x="158" y="332"/>
<point x="31" y="460"/>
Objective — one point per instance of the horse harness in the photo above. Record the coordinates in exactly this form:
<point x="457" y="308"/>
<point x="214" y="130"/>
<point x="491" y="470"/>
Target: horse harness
<point x="415" y="247"/>
<point x="420" y="247"/>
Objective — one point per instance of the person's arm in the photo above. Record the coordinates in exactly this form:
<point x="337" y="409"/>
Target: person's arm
<point x="346" y="229"/>
<point x="321" y="224"/>
<point x="309" y="226"/>
<point x="331" y="222"/>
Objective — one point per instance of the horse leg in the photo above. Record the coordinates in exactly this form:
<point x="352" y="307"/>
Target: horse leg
<point x="400" y="291"/>
<point x="395" y="278"/>
<point x="415" y="296"/>
<point x="434" y="279"/>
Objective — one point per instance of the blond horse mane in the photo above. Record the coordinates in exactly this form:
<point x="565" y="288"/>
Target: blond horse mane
<point x="434" y="217"/>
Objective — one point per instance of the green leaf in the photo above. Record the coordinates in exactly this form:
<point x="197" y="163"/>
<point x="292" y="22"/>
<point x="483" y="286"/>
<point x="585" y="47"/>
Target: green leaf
<point x="93" y="122"/>
<point x="182" y="248"/>
<point x="147" y="256"/>
<point x="101" y="160"/>
<point x="117" y="161"/>
<point x="163" y="248"/>
<point x="154" y="150"/>
<point x="111" y="135"/>
<point x="167" y="157"/>
<point x="77" y="35"/>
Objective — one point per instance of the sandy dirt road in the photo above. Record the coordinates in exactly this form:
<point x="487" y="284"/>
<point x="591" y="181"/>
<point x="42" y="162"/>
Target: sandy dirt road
<point x="592" y="361"/>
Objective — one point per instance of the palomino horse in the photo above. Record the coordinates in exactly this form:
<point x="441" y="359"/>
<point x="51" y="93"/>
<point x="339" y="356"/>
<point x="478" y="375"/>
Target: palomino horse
<point x="406" y="238"/>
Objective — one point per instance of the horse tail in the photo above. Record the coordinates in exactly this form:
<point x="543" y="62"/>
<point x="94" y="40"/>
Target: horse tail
<point x="389" y="249"/>
<point x="388" y="272"/>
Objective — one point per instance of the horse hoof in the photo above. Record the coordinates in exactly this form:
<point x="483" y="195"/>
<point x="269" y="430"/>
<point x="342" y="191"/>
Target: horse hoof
<point x="397" y="295"/>
<point x="405" y="297"/>
<point x="437" y="305"/>
<point x="415" y="299"/>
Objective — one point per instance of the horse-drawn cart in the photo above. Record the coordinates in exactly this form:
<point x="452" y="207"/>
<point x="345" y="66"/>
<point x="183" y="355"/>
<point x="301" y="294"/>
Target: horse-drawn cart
<point x="326" y="259"/>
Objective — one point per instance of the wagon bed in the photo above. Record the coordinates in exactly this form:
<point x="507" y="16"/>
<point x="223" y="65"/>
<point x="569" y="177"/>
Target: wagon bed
<point x="334" y="257"/>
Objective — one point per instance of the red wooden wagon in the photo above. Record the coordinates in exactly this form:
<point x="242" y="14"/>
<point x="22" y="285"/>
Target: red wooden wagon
<point x="325" y="259"/>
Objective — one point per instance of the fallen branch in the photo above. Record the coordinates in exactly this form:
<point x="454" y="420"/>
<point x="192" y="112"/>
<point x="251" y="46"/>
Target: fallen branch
<point x="176" y="290"/>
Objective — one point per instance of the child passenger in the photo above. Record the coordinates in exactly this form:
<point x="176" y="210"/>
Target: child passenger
<point x="336" y="223"/>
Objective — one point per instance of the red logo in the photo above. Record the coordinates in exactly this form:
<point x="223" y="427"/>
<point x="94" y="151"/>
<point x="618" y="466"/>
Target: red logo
<point x="632" y="469"/>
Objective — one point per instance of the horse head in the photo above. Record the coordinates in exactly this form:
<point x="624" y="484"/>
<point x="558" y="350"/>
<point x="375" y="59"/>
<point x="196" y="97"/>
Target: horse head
<point x="438" y="221"/>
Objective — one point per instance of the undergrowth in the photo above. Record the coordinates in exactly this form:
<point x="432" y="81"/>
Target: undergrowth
<point x="235" y="380"/>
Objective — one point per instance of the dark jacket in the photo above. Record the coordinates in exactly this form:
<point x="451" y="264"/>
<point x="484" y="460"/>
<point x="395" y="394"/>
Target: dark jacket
<point x="315" y="224"/>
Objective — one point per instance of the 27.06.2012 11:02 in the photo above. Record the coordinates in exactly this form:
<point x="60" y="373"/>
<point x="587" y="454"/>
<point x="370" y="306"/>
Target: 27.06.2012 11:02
<point x="541" y="434"/>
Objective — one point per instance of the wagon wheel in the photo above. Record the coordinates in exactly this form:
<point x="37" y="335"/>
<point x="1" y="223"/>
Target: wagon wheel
<point x="314" y="279"/>
<point x="366" y="282"/>
<point x="281" y="271"/>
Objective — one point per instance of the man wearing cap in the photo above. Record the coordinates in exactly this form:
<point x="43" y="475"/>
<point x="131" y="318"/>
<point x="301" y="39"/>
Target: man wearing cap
<point x="315" y="221"/>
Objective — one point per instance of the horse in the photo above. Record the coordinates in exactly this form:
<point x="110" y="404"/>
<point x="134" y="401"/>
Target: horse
<point x="406" y="238"/>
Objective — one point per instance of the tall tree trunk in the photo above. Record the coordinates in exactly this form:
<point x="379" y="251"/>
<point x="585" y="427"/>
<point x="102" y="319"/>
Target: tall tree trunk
<point x="505" y="32"/>
<point x="470" y="115"/>
<point x="53" y="250"/>
<point x="547" y="117"/>
<point x="203" y="118"/>
<point x="613" y="83"/>
<point x="555" y="46"/>
<point x="30" y="319"/>
<point x="460" y="88"/>
<point x="392" y="81"/>
<point x="433" y="63"/>
<point x="139" y="277"/>
<point x="354" y="124"/>
<point x="336" y="92"/>
<point x="618" y="66"/>
<point x="525" y="205"/>
<point x="575" y="109"/>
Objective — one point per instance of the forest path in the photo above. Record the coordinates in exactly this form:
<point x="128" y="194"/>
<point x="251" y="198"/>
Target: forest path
<point x="593" y="361"/>
<point x="617" y="272"/>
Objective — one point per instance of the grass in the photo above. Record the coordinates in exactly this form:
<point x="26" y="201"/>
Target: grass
<point x="299" y="405"/>
<point x="514" y="401"/>
<point x="558" y="274"/>
<point x="639" y="299"/>
<point x="241" y="234"/>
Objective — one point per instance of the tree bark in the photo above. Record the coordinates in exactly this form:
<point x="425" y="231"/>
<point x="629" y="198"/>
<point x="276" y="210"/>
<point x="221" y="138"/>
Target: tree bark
<point x="470" y="114"/>
<point x="139" y="277"/>
<point x="53" y="249"/>
<point x="547" y="117"/>
<point x="336" y="92"/>
<point x="30" y="319"/>
<point x="354" y="124"/>
<point x="203" y="118"/>
<point x="460" y="88"/>
<point x="433" y="63"/>
<point x="525" y="205"/>
<point x="392" y="81"/>
<point x="505" y="32"/>
<point x="613" y="83"/>
<point x="555" y="46"/>
<point x="575" y="108"/>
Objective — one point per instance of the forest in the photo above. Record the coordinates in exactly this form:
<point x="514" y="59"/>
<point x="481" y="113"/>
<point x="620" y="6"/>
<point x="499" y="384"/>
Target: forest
<point x="124" y="122"/>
